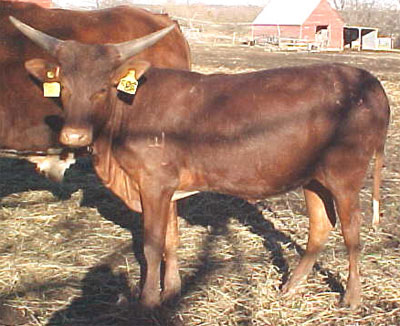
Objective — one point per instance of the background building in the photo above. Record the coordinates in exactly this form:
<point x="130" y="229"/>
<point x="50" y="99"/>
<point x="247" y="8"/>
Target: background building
<point x="312" y="21"/>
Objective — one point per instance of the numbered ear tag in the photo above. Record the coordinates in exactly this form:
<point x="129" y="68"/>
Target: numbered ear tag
<point x="51" y="89"/>
<point x="128" y="84"/>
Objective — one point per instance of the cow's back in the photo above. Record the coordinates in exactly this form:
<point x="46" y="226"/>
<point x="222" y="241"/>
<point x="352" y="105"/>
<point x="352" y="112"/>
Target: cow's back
<point x="289" y="121"/>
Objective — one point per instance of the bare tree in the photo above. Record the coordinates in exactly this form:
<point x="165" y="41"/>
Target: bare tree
<point x="340" y="4"/>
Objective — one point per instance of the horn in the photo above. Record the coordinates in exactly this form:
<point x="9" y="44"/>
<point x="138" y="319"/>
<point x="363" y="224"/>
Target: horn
<point x="130" y="48"/>
<point x="47" y="42"/>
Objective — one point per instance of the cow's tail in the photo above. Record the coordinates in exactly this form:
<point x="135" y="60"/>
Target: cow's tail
<point x="382" y="114"/>
<point x="379" y="154"/>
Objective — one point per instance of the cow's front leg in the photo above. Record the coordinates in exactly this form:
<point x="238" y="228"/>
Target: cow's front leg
<point x="155" y="203"/>
<point x="172" y="280"/>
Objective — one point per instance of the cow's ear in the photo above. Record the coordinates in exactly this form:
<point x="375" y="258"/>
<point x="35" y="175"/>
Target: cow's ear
<point x="42" y="69"/>
<point x="138" y="66"/>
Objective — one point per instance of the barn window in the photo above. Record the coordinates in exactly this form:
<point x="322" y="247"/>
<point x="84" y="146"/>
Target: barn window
<point x="321" y="29"/>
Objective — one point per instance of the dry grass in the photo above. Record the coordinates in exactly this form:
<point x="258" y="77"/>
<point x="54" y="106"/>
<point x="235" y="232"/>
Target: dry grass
<point x="70" y="255"/>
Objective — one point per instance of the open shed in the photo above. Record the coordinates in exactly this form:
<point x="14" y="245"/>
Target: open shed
<point x="365" y="38"/>
<point x="311" y="21"/>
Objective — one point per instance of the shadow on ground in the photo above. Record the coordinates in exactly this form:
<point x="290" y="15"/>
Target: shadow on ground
<point x="104" y="300"/>
<point x="106" y="297"/>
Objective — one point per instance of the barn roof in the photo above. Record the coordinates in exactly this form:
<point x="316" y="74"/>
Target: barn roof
<point x="75" y="4"/>
<point x="286" y="12"/>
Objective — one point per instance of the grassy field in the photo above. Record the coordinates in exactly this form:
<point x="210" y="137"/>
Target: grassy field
<point x="70" y="253"/>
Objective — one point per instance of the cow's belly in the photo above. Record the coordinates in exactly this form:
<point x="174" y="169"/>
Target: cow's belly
<point x="251" y="175"/>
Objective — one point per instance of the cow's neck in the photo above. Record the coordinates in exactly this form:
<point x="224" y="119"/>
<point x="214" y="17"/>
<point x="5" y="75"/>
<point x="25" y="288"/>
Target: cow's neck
<point x="103" y="142"/>
<point x="107" y="167"/>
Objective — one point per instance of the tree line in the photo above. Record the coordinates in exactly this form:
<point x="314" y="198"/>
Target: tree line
<point x="372" y="13"/>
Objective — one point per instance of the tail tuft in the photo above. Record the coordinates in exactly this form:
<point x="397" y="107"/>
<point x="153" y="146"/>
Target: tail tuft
<point x="377" y="183"/>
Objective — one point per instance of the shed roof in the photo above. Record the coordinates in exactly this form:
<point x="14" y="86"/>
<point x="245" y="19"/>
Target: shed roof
<point x="286" y="12"/>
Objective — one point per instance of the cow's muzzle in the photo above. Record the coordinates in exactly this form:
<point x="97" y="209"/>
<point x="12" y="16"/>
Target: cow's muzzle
<point x="76" y="137"/>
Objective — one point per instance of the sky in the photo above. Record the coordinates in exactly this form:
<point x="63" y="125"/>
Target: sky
<point x="261" y="3"/>
<point x="88" y="4"/>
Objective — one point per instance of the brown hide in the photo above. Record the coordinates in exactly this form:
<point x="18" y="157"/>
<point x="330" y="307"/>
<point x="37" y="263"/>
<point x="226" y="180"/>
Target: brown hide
<point x="108" y="169"/>
<point x="254" y="135"/>
<point x="28" y="121"/>
<point x="250" y="135"/>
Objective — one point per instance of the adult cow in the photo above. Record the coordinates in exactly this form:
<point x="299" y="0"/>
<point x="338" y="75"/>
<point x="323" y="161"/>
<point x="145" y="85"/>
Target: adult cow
<point x="251" y="135"/>
<point x="29" y="123"/>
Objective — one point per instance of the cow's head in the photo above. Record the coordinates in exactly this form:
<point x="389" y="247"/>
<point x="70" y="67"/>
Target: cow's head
<point x="88" y="74"/>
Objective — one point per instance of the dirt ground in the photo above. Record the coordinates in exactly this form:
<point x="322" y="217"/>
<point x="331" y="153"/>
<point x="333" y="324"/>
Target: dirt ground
<point x="70" y="253"/>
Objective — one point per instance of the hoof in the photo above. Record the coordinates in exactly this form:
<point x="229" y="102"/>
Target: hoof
<point x="150" y="303"/>
<point x="172" y="288"/>
<point x="170" y="296"/>
<point x="286" y="290"/>
<point x="289" y="288"/>
<point x="352" y="301"/>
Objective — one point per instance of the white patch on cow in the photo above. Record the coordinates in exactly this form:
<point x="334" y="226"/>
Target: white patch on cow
<point x="375" y="217"/>
<point x="53" y="166"/>
<point x="183" y="194"/>
<point x="192" y="90"/>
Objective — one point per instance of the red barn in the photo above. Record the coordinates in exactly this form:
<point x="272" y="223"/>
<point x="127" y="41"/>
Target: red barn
<point x="312" y="21"/>
<point x="42" y="3"/>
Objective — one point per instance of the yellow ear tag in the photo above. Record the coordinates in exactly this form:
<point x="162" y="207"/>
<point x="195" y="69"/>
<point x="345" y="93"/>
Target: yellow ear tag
<point x="128" y="84"/>
<point x="51" y="89"/>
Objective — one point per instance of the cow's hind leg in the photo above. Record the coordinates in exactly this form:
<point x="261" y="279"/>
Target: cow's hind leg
<point x="350" y="217"/>
<point x="172" y="281"/>
<point x="344" y="179"/>
<point x="322" y="219"/>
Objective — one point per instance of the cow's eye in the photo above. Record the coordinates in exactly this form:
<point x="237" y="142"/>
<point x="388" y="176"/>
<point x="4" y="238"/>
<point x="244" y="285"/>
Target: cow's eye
<point x="65" y="92"/>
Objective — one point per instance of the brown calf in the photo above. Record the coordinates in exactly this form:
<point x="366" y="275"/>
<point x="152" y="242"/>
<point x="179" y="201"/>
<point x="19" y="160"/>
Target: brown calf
<point x="250" y="135"/>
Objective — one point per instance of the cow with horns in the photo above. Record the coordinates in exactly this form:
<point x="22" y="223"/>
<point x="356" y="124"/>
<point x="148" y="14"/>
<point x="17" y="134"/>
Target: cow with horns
<point x="250" y="135"/>
<point x="30" y="124"/>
